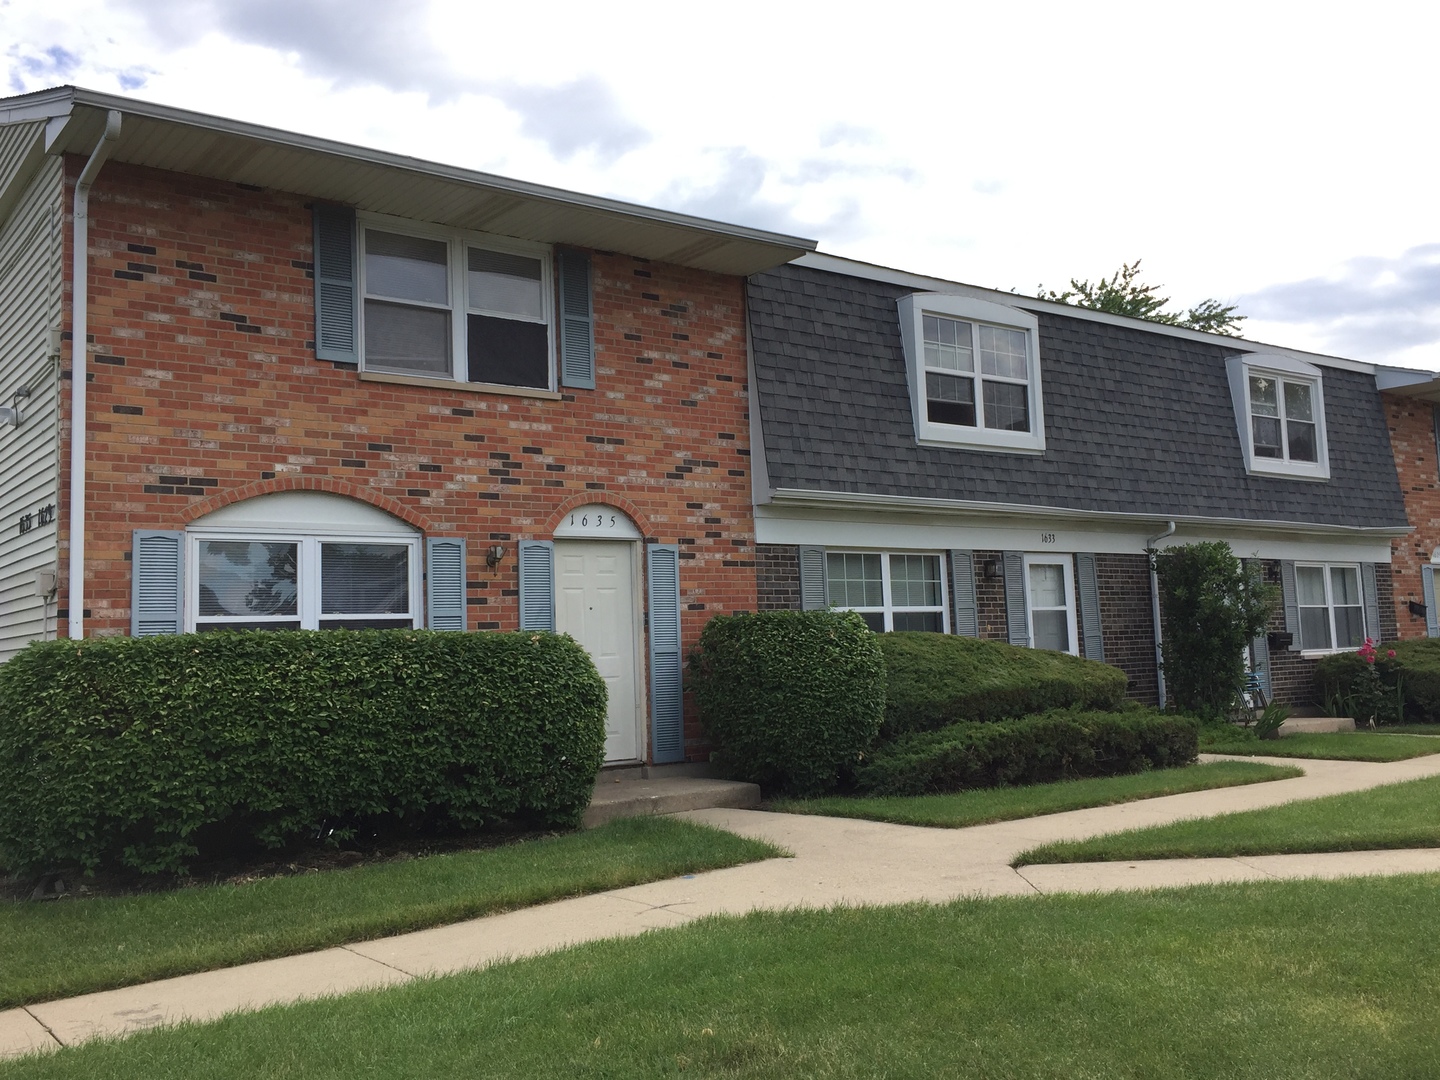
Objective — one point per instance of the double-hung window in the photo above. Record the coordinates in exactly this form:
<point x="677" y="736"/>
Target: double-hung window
<point x="890" y="591"/>
<point x="454" y="305"/>
<point x="1280" y="415"/>
<point x="278" y="582"/>
<point x="974" y="372"/>
<point x="1050" y="603"/>
<point x="1331" y="606"/>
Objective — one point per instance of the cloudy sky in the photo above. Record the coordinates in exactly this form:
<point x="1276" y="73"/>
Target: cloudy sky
<point x="1280" y="156"/>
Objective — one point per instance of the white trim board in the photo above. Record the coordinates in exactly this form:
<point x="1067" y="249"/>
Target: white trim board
<point x="1045" y="535"/>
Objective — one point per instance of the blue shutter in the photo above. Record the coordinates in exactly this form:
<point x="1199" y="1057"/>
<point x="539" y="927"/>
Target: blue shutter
<point x="1090" y="632"/>
<point x="337" y="302"/>
<point x="157" y="583"/>
<point x="577" y="321"/>
<point x="1371" y="592"/>
<point x="1432" y="617"/>
<point x="967" y="610"/>
<point x="1291" y="603"/>
<point x="814" y="588"/>
<point x="1015" y="620"/>
<point x="537" y="585"/>
<point x="667" y="718"/>
<point x="445" y="583"/>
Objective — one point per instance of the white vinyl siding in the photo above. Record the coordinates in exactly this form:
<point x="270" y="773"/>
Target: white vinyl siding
<point x="30" y="299"/>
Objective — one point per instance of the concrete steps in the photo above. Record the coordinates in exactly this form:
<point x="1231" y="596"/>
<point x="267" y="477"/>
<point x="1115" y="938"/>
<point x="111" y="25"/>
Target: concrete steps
<point x="640" y="791"/>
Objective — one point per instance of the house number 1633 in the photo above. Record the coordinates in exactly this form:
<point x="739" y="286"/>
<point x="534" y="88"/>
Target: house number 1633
<point x="1047" y="538"/>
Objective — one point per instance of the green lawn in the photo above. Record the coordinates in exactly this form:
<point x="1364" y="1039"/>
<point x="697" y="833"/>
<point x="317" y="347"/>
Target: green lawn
<point x="68" y="947"/>
<point x="978" y="807"/>
<point x="1432" y="730"/>
<point x="1340" y="745"/>
<point x="1261" y="981"/>
<point x="1393" y="816"/>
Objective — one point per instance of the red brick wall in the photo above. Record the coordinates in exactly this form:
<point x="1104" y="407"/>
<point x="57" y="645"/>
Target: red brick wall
<point x="1412" y="438"/>
<point x="205" y="388"/>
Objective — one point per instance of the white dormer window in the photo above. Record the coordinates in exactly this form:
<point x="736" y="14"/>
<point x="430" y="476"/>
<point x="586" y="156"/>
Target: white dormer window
<point x="1280" y="415"/>
<point x="974" y="371"/>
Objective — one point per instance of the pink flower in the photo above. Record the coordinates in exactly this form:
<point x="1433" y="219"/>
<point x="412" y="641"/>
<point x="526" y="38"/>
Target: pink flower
<point x="1390" y="653"/>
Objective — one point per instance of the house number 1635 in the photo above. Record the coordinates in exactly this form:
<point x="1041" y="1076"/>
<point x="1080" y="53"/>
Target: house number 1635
<point x="595" y="521"/>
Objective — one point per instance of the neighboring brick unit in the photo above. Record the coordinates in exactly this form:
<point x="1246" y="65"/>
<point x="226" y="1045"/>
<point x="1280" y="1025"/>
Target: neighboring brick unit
<point x="1412" y="438"/>
<point x="205" y="389"/>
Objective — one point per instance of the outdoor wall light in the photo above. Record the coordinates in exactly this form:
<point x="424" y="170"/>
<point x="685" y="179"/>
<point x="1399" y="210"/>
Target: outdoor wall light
<point x="1416" y="610"/>
<point x="493" y="555"/>
<point x="993" y="570"/>
<point x="10" y="415"/>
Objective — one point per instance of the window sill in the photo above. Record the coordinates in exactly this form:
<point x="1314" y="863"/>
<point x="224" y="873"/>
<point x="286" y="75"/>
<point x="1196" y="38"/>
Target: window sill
<point x="467" y="387"/>
<point x="1319" y="654"/>
<point x="1288" y="471"/>
<point x="981" y="445"/>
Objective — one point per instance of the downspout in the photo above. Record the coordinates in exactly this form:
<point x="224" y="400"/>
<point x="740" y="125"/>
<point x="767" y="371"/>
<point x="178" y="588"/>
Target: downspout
<point x="1151" y="551"/>
<point x="79" y="301"/>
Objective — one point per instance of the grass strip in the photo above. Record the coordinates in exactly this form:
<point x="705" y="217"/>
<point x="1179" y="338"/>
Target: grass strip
<point x="1273" y="980"/>
<point x="1432" y="730"/>
<point x="1393" y="816"/>
<point x="1337" y="746"/>
<point x="984" y="805"/>
<point x="69" y="947"/>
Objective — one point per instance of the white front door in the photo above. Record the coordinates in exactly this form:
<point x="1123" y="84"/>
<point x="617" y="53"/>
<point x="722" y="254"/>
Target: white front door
<point x="595" y="604"/>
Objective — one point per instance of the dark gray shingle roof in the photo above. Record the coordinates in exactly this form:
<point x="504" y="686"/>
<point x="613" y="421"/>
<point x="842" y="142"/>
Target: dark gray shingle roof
<point x="1135" y="421"/>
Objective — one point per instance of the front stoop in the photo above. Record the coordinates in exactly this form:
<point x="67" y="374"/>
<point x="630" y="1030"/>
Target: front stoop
<point x="621" y="796"/>
<point x="1316" y="724"/>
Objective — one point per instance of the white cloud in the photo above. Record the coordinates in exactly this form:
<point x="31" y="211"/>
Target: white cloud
<point x="1240" y="152"/>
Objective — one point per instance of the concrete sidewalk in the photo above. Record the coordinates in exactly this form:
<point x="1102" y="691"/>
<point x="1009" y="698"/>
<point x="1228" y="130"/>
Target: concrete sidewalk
<point x="836" y="861"/>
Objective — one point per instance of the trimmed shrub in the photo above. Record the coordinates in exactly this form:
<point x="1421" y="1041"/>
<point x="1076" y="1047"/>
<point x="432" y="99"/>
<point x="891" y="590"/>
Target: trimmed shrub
<point x="1211" y="605"/>
<point x="1058" y="745"/>
<point x="146" y="752"/>
<point x="793" y="699"/>
<point x="937" y="679"/>
<point x="1344" y="682"/>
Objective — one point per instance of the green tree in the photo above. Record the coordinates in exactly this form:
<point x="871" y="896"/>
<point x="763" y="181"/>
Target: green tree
<point x="1122" y="294"/>
<point x="1211" y="605"/>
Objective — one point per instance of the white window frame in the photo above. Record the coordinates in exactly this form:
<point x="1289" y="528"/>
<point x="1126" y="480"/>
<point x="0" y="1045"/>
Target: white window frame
<point x="913" y="309"/>
<point x="888" y="609"/>
<point x="457" y="268"/>
<point x="1282" y="369"/>
<point x="1067" y="565"/>
<point x="1366" y="631"/>
<point x="307" y="571"/>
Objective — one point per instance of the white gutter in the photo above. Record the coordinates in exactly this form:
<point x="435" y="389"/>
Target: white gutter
<point x="1150" y="550"/>
<point x="79" y="301"/>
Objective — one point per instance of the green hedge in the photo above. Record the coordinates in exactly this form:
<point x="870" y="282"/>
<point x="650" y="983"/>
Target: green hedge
<point x="793" y="699"/>
<point x="1415" y="670"/>
<point x="146" y="752"/>
<point x="933" y="680"/>
<point x="1057" y="745"/>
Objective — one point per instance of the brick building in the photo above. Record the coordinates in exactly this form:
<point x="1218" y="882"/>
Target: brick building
<point x="943" y="457"/>
<point x="325" y="386"/>
<point x="1412" y="411"/>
